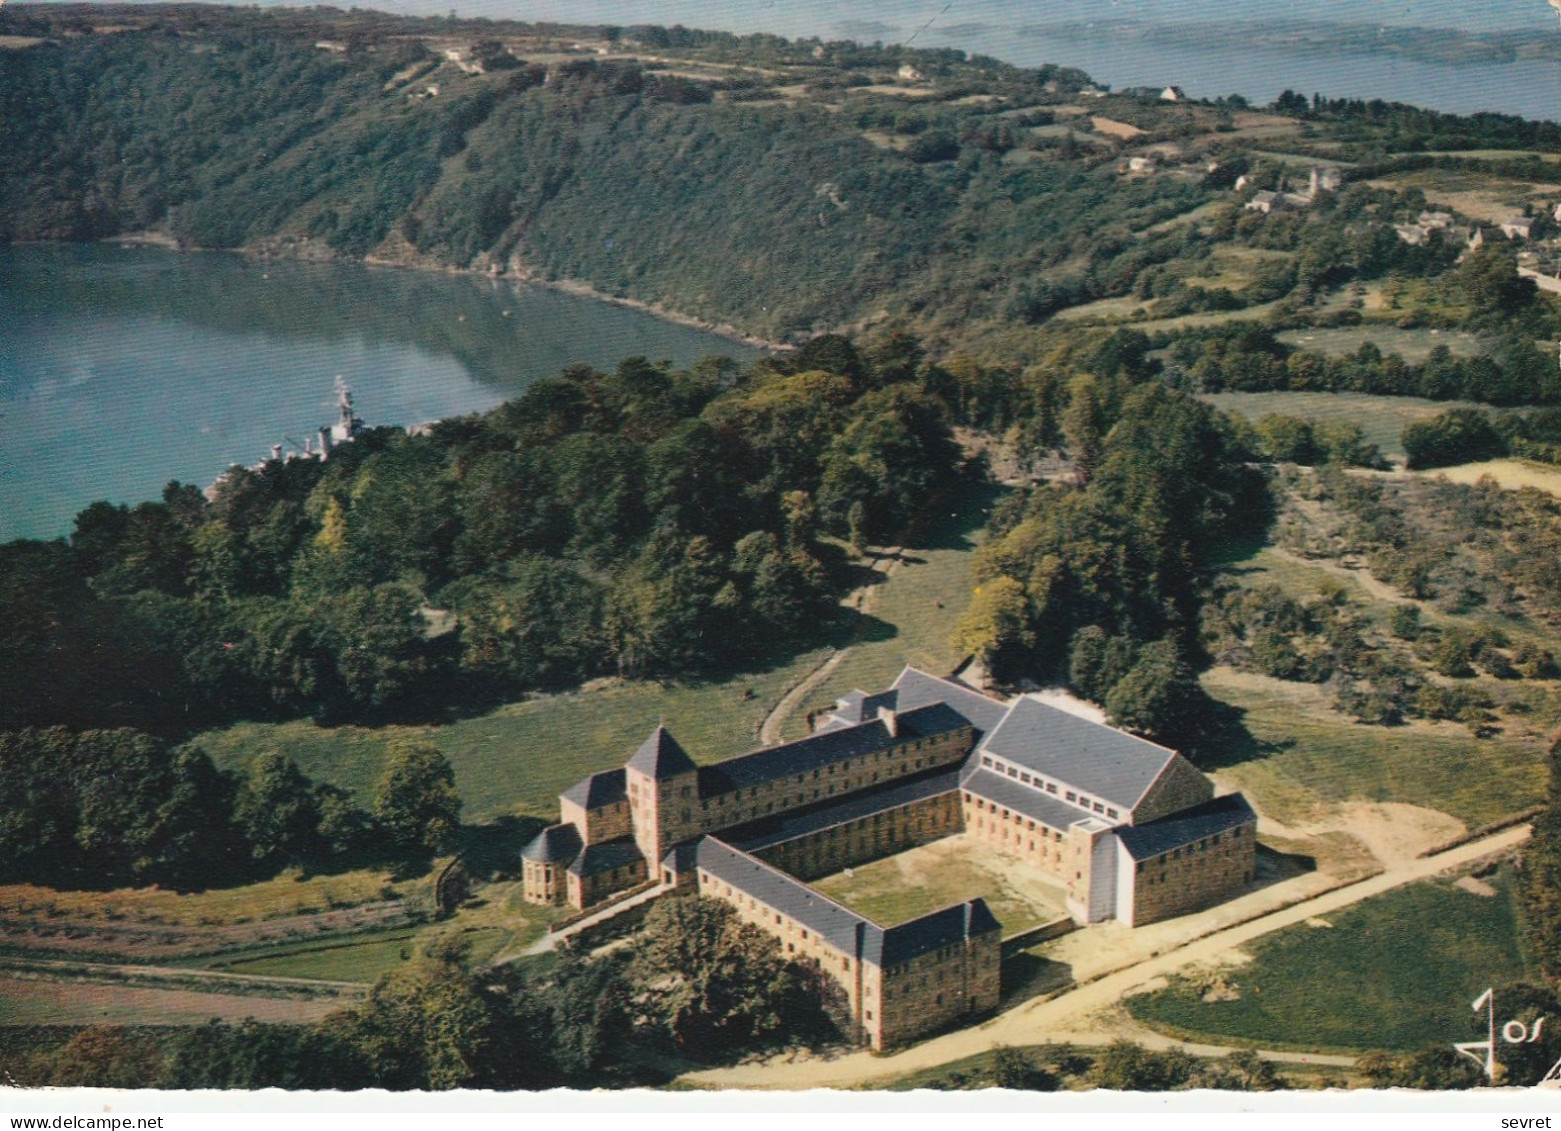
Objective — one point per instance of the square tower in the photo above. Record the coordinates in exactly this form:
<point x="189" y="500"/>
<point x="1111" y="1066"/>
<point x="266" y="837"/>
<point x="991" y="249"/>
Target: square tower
<point x="663" y="785"/>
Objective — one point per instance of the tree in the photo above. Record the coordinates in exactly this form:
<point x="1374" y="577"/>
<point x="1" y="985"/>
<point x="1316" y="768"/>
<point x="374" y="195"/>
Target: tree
<point x="415" y="802"/>
<point x="1124" y="1066"/>
<point x="997" y="623"/>
<point x="1084" y="427"/>
<point x="714" y="984"/>
<point x="276" y="811"/>
<point x="1159" y="696"/>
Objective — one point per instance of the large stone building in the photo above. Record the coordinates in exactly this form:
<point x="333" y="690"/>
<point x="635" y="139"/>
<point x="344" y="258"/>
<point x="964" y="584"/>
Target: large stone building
<point x="1129" y="830"/>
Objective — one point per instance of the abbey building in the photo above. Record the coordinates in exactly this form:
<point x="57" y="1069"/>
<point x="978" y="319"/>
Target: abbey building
<point x="1127" y="829"/>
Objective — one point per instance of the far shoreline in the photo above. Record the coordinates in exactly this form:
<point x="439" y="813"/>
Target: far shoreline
<point x="301" y="252"/>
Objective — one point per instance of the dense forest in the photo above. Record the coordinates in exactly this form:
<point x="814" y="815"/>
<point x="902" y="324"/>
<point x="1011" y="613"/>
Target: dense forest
<point x="636" y="522"/>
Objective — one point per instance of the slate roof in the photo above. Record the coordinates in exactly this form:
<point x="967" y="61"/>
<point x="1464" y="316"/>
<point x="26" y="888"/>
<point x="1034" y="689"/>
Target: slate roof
<point x="914" y="688"/>
<point x="598" y="790"/>
<point x="1100" y="760"/>
<point x="932" y="932"/>
<point x="839" y="925"/>
<point x="1032" y="803"/>
<point x="1180" y="829"/>
<point x="835" y="923"/>
<point x="824" y="748"/>
<point x="660" y="756"/>
<point x="604" y="857"/>
<point x="770" y="831"/>
<point x="553" y="845"/>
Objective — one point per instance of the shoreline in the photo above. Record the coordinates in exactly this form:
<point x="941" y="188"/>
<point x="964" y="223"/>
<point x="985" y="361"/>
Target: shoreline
<point x="298" y="251"/>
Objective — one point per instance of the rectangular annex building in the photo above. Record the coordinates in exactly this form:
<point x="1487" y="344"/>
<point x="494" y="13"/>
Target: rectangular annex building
<point x="1129" y="829"/>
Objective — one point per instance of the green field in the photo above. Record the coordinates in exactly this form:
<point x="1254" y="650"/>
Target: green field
<point x="1348" y="986"/>
<point x="516" y="759"/>
<point x="1306" y="754"/>
<point x="1414" y="346"/>
<point x="1382" y="418"/>
<point x="361" y="959"/>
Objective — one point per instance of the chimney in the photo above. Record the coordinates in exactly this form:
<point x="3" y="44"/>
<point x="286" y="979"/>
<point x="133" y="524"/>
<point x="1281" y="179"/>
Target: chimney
<point x="890" y="720"/>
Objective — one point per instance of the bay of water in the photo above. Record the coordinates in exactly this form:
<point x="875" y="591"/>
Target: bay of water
<point x="122" y="368"/>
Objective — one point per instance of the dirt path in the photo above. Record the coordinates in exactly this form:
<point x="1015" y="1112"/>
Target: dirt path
<point x="861" y="599"/>
<point x="1041" y="1021"/>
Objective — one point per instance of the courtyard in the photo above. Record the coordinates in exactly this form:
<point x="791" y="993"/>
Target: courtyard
<point x="952" y="870"/>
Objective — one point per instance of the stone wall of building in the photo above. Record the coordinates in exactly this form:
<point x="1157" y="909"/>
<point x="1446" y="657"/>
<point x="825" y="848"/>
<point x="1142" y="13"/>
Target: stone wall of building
<point x="910" y="755"/>
<point x="871" y="837"/>
<point x="933" y="991"/>
<point x="586" y="890"/>
<point x="1204" y="872"/>
<point x="1033" y="841"/>
<point x="544" y="883"/>
<point x="796" y="941"/>
<point x="1180" y="787"/>
<point x="596" y="826"/>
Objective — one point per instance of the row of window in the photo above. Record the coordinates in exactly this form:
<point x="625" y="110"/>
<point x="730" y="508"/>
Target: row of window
<point x="1188" y="849"/>
<point x="1036" y="781"/>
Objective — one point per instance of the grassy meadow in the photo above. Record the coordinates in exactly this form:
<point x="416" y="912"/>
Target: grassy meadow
<point x="1383" y="419"/>
<point x="1342" y="982"/>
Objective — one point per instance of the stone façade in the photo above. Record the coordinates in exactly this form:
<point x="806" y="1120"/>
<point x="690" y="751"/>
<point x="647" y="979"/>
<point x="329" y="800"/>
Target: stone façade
<point x="1131" y="830"/>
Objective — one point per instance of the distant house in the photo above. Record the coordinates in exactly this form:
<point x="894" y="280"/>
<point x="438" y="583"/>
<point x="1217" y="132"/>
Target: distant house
<point x="909" y="73"/>
<point x="1556" y="215"/>
<point x="1173" y="94"/>
<point x="1265" y="202"/>
<point x="1093" y="92"/>
<point x="1324" y="178"/>
<point x="1242" y="182"/>
<point x="1479" y="236"/>
<point x="1439" y="220"/>
<point x="1518" y="227"/>
<point x="1141" y="165"/>
<point x="1414" y="235"/>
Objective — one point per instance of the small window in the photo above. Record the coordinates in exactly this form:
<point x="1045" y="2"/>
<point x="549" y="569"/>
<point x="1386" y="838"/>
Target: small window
<point x="1051" y="787"/>
<point x="1111" y="812"/>
<point x="985" y="761"/>
<point x="1013" y="773"/>
<point x="1099" y="808"/>
<point x="1024" y="778"/>
<point x="1070" y="796"/>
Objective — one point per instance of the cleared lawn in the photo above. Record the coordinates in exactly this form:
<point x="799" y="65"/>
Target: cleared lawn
<point x="1347" y="985"/>
<point x="1305" y="752"/>
<point x="1414" y="346"/>
<point x="361" y="960"/>
<point x="28" y="1002"/>
<point x="287" y="895"/>
<point x="1382" y="418"/>
<point x="949" y="871"/>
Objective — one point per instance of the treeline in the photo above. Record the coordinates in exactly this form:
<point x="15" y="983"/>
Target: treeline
<point x="1470" y="435"/>
<point x="1098" y="581"/>
<point x="1398" y="127"/>
<point x="109" y="808"/>
<point x="643" y="521"/>
<point x="696" y="983"/>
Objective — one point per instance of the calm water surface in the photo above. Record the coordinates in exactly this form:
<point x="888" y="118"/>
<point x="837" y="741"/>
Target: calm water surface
<point x="124" y="367"/>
